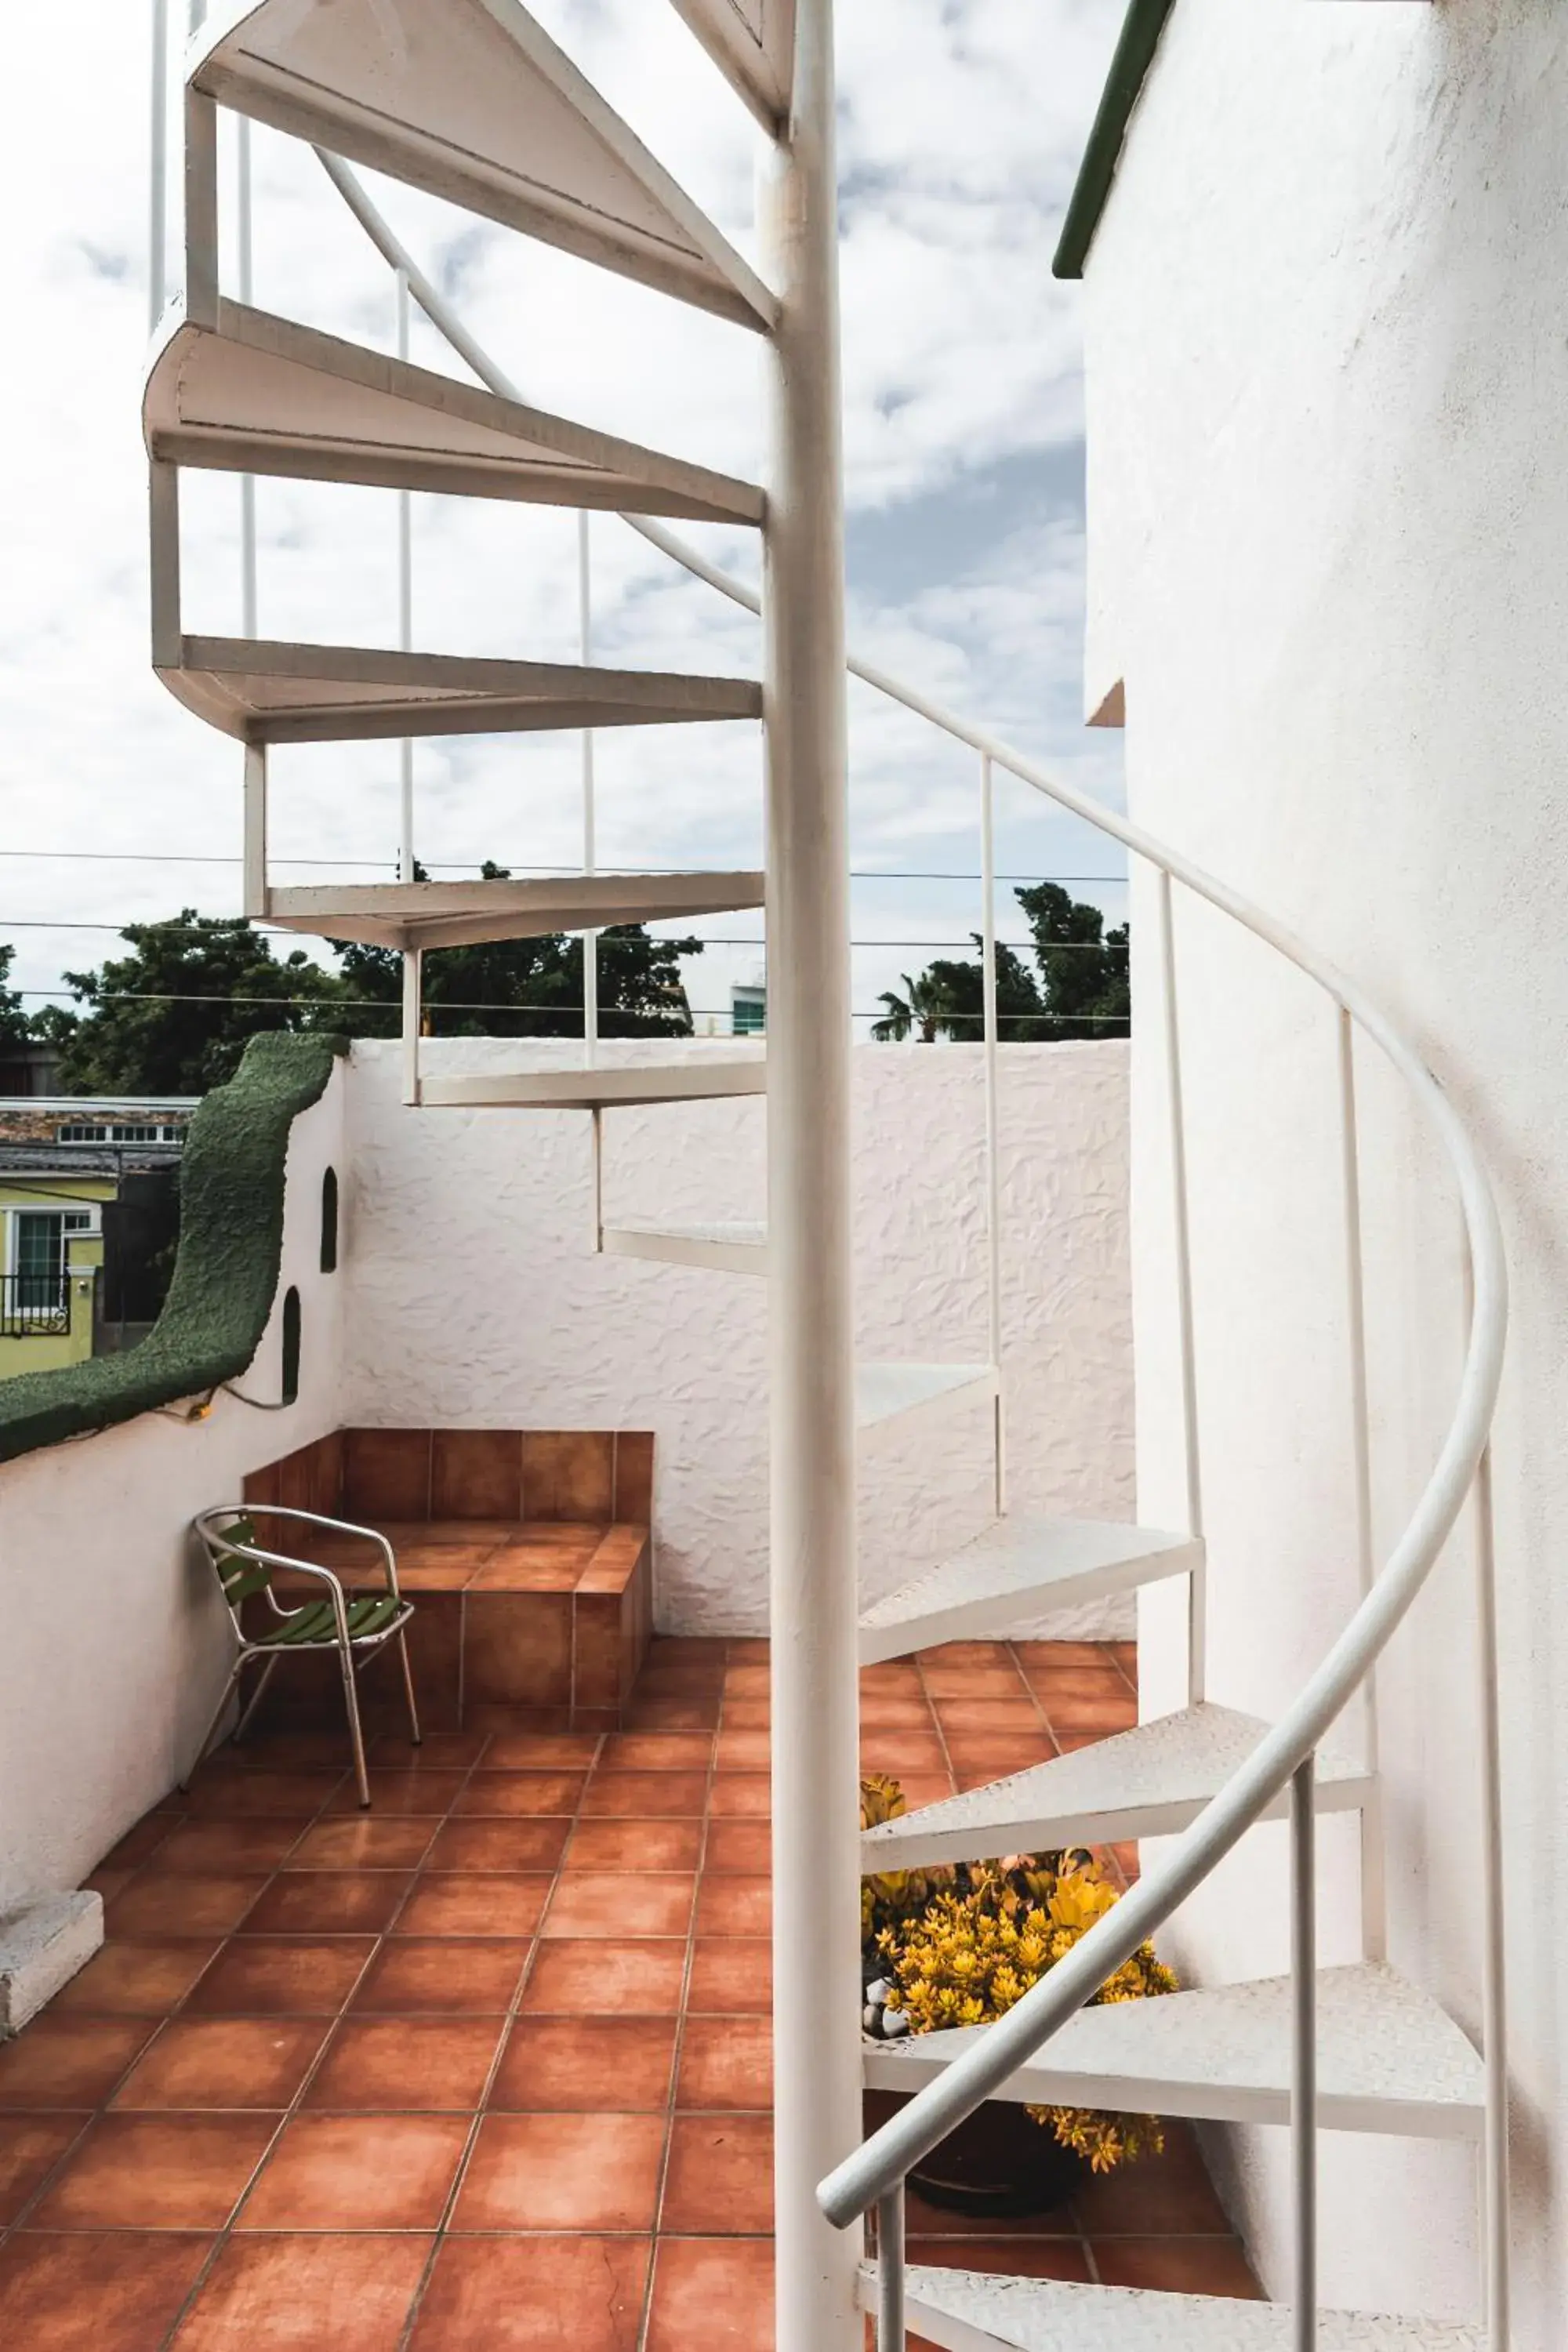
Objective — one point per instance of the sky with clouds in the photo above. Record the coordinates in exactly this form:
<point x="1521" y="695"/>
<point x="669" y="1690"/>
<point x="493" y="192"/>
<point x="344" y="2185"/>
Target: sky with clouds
<point x="962" y="125"/>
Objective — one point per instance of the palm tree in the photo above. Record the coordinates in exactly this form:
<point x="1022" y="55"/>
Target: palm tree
<point x="923" y="1006"/>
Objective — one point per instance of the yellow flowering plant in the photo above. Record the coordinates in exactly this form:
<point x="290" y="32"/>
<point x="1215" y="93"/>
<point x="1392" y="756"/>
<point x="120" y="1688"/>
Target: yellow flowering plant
<point x="976" y="1947"/>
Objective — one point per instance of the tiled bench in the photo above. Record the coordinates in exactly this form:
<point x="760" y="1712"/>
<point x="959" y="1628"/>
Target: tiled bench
<point x="529" y="1556"/>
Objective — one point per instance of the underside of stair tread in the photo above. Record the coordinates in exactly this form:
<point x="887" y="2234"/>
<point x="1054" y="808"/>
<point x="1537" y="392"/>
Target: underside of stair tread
<point x="1389" y="2059"/>
<point x="471" y="100"/>
<point x="268" y="691"/>
<point x="1145" y="1782"/>
<point x="753" y="42"/>
<point x="1016" y="1567"/>
<point x="736" y="1248"/>
<point x="885" y="1392"/>
<point x="976" y="2311"/>
<point x="262" y="394"/>
<point x="451" y="914"/>
<point x="693" y="1079"/>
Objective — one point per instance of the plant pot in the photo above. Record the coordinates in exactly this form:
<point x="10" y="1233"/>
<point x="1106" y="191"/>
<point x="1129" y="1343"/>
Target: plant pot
<point x="998" y="2163"/>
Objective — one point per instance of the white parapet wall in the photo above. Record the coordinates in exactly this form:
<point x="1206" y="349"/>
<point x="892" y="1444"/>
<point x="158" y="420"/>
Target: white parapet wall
<point x="477" y="1298"/>
<point x="115" y="1640"/>
<point x="1327" y="367"/>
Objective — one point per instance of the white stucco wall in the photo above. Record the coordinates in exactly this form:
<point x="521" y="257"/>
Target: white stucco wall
<point x="477" y="1298"/>
<point x="1327" y="359"/>
<point x="115" y="1640"/>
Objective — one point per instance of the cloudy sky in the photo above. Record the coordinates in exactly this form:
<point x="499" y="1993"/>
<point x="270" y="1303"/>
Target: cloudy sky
<point x="963" y="122"/>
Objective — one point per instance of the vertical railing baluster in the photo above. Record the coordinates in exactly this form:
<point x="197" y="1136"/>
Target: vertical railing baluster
<point x="1197" y="1582"/>
<point x="247" y="582"/>
<point x="890" y="2324"/>
<point x="158" y="169"/>
<point x="1304" y="2054"/>
<point x="1373" y="1881"/>
<point x="590" y="827"/>
<point x="992" y="1157"/>
<point x="1495" y="2249"/>
<point x="404" y="617"/>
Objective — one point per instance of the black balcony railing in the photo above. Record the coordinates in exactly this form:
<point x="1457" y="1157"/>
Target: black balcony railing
<point x="33" y="1305"/>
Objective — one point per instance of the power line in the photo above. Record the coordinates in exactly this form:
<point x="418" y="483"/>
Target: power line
<point x="448" y="1004"/>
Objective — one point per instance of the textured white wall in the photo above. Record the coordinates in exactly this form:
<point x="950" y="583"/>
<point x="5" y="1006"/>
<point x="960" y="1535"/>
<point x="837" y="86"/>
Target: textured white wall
<point x="477" y="1298"/>
<point x="115" y="1637"/>
<point x="1328" y="555"/>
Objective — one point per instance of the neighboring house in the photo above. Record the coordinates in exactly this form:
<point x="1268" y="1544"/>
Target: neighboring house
<point x="88" y="1208"/>
<point x="1326" y="311"/>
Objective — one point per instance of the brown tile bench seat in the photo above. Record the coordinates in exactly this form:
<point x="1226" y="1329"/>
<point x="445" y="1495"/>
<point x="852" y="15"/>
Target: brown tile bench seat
<point x="541" y="1614"/>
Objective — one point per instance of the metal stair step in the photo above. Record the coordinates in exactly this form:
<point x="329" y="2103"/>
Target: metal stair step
<point x="693" y="1079"/>
<point x="736" y="1248"/>
<point x="1145" y="1782"/>
<point x="1389" y="2059"/>
<point x="976" y="2311"/>
<point x="264" y="691"/>
<point x="471" y="100"/>
<point x="1018" y="1568"/>
<point x="753" y="43"/>
<point x="887" y="1391"/>
<point x="450" y="914"/>
<point x="260" y="395"/>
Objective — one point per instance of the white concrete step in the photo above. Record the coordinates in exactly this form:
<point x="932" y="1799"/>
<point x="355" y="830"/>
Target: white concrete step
<point x="1141" y="1783"/>
<point x="264" y="691"/>
<point x="753" y="42"/>
<point x="471" y="100"/>
<point x="1389" y="2059"/>
<point x="887" y="1391"/>
<point x="724" y="1248"/>
<point x="692" y="1080"/>
<point x="1018" y="1568"/>
<point x="452" y="914"/>
<point x="260" y="395"/>
<point x="975" y="2311"/>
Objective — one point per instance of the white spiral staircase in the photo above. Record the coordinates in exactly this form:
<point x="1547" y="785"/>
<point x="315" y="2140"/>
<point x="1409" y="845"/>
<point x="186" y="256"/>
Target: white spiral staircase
<point x="470" y="100"/>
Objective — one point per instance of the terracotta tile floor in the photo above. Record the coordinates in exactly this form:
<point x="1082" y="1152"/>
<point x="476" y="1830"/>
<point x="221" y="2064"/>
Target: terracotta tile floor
<point x="490" y="2066"/>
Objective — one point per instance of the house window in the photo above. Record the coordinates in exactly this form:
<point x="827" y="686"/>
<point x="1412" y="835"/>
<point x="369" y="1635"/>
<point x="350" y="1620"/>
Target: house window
<point x="329" y="1221"/>
<point x="39" y="1256"/>
<point x="120" y="1131"/>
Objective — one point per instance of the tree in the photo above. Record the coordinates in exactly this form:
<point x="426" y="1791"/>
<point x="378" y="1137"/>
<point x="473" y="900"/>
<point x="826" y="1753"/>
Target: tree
<point x="950" y="991"/>
<point x="173" y="1017"/>
<point x="15" y="1029"/>
<point x="1083" y="968"/>
<point x="527" y="988"/>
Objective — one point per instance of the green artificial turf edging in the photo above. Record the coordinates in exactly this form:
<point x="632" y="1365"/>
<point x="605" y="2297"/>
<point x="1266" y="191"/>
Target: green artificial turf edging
<point x="1141" y="31"/>
<point x="226" y="1273"/>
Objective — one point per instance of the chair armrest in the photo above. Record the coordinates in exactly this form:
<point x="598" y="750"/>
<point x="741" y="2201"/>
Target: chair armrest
<point x="309" y="1519"/>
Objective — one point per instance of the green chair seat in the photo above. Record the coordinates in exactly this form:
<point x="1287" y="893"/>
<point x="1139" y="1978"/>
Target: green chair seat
<point x="316" y="1625"/>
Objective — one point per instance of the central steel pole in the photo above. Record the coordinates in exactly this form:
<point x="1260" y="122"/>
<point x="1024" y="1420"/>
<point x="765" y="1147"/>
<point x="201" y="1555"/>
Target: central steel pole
<point x="816" y="1896"/>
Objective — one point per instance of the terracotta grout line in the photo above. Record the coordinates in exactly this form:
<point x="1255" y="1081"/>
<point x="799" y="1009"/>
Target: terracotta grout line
<point x="662" y="2183"/>
<point x="513" y="2012"/>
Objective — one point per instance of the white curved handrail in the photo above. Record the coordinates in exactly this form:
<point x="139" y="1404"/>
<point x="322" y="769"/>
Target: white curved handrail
<point x="876" y="2169"/>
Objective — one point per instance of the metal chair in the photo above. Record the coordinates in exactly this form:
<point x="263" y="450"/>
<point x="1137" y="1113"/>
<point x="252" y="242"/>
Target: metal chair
<point x="351" y="1623"/>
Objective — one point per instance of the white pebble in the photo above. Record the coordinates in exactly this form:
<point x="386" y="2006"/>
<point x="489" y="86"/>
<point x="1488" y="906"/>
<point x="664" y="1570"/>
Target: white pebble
<point x="871" y="2018"/>
<point x="878" y="1990"/>
<point x="894" y="2022"/>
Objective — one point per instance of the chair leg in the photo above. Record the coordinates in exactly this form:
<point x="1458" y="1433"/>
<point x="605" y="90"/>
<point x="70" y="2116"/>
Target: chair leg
<point x="356" y="1736"/>
<point x="257" y="1695"/>
<point x="413" y="1734"/>
<point x="218" y="1715"/>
